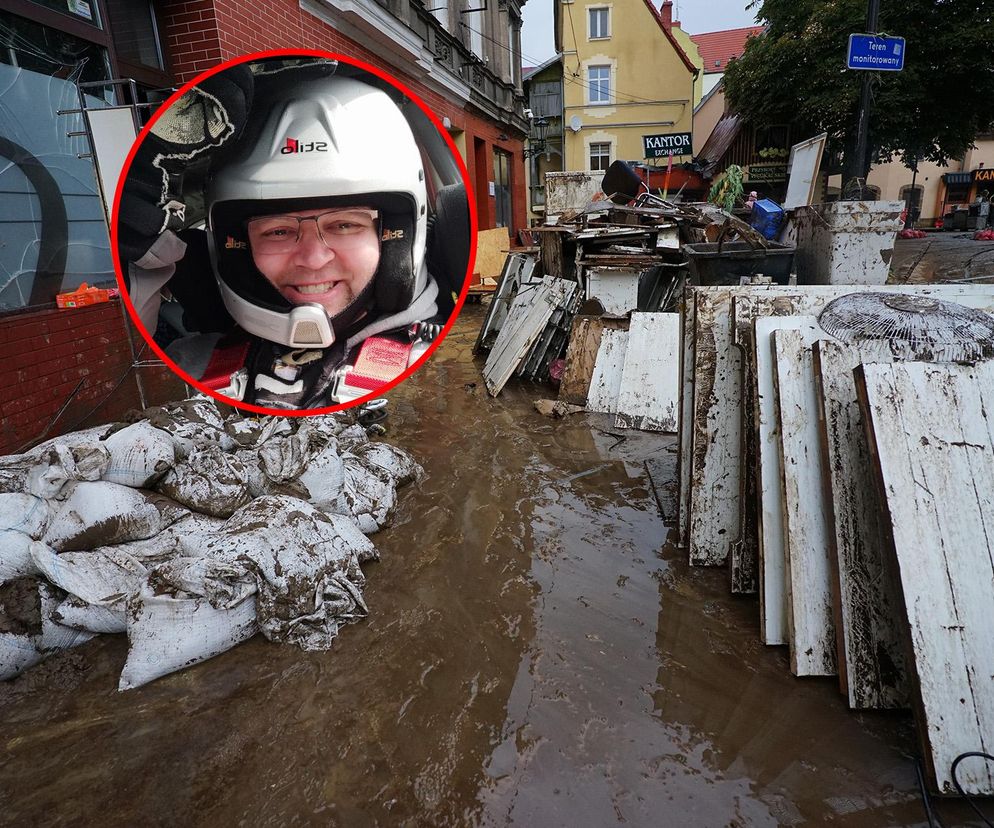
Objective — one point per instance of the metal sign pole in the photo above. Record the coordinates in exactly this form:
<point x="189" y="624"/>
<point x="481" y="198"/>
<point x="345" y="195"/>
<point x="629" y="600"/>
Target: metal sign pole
<point x="863" y="125"/>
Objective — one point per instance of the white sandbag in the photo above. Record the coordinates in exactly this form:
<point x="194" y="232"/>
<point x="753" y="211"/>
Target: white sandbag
<point x="76" y="613"/>
<point x="139" y="455"/>
<point x="354" y="435"/>
<point x="322" y="480"/>
<point x="221" y="582"/>
<point x="167" y="634"/>
<point x="56" y="637"/>
<point x="369" y="495"/>
<point x="24" y="513"/>
<point x="101" y="514"/>
<point x="306" y="568"/>
<point x="18" y="651"/>
<point x="75" y="439"/>
<point x="14" y="472"/>
<point x="396" y="462"/>
<point x="15" y="556"/>
<point x="208" y="481"/>
<point x="104" y="577"/>
<point x="284" y="455"/>
<point x="64" y="462"/>
<point x="191" y="423"/>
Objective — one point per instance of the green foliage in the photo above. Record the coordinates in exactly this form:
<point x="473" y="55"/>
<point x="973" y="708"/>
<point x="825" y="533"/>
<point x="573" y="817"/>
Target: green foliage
<point x="795" y="73"/>
<point x="727" y="188"/>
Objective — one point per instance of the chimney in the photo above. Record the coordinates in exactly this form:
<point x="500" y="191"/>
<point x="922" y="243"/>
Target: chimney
<point x="667" y="11"/>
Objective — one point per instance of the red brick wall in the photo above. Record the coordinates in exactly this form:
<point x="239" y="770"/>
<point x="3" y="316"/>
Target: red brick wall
<point x="44" y="354"/>
<point x="200" y="33"/>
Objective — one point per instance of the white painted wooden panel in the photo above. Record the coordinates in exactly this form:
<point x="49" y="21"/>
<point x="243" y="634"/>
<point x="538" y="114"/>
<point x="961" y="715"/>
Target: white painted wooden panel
<point x="648" y="396"/>
<point x="811" y="625"/>
<point x="932" y="429"/>
<point x="686" y="413"/>
<point x="870" y="653"/>
<point x="616" y="289"/>
<point x="605" y="384"/>
<point x="772" y="557"/>
<point x="527" y="318"/>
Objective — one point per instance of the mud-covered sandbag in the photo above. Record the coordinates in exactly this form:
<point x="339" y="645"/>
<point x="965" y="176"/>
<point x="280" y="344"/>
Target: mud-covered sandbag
<point x="166" y="634"/>
<point x="322" y="480"/>
<point x="63" y="463"/>
<point x="23" y="513"/>
<point x="305" y="564"/>
<point x="103" y="577"/>
<point x="18" y="651"/>
<point x="14" y="471"/>
<point x="15" y="556"/>
<point x="351" y="437"/>
<point x="369" y="495"/>
<point x="396" y="462"/>
<point x="101" y="514"/>
<point x="191" y="422"/>
<point x="208" y="481"/>
<point x="56" y="637"/>
<point x="76" y="613"/>
<point x="140" y="455"/>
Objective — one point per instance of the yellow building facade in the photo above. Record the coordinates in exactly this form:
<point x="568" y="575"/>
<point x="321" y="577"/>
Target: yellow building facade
<point x="625" y="76"/>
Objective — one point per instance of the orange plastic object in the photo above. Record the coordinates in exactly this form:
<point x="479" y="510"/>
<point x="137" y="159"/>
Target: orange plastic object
<point x="83" y="296"/>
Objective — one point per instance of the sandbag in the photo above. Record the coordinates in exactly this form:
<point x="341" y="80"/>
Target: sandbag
<point x="396" y="462"/>
<point x="305" y="564"/>
<point x="65" y="462"/>
<point x="15" y="556"/>
<point x="101" y="514"/>
<point x="369" y="495"/>
<point x="208" y="481"/>
<point x="191" y="422"/>
<point x="18" y="651"/>
<point x="167" y="634"/>
<point x="104" y="577"/>
<point x="140" y="455"/>
<point x="23" y="513"/>
<point x="76" y="613"/>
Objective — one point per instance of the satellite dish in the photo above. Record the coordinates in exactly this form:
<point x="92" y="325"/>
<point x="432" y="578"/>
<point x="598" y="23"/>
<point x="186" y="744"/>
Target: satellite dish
<point x="575" y="123"/>
<point x="935" y="328"/>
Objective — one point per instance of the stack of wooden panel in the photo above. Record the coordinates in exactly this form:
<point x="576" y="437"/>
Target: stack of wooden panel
<point x="779" y="482"/>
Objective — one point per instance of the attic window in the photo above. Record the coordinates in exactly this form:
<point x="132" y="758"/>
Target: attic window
<point x="717" y="63"/>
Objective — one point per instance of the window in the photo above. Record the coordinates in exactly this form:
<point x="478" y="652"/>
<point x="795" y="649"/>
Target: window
<point x="440" y="10"/>
<point x="473" y="21"/>
<point x="598" y="24"/>
<point x="502" y="187"/>
<point x="136" y="35"/>
<point x="600" y="156"/>
<point x="958" y="193"/>
<point x="599" y="84"/>
<point x="912" y="197"/>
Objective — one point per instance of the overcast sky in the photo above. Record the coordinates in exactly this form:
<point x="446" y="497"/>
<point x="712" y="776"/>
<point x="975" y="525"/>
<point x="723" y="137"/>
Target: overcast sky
<point x="695" y="16"/>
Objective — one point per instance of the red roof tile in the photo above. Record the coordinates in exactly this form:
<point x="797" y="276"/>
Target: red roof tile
<point x="717" y="47"/>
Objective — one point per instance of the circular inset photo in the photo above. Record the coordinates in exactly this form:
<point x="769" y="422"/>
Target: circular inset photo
<point x="294" y="232"/>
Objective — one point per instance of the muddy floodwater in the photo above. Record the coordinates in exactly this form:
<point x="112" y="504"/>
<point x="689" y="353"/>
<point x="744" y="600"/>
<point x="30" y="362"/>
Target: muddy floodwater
<point x="537" y="653"/>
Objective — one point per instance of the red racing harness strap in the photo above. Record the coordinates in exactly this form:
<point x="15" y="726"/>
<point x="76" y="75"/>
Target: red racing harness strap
<point x="381" y="359"/>
<point x="228" y="356"/>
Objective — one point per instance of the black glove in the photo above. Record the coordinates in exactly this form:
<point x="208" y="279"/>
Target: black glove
<point x="194" y="128"/>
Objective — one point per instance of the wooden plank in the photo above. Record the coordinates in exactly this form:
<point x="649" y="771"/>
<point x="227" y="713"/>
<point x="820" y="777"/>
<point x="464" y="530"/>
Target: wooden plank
<point x="491" y="250"/>
<point x="606" y="380"/>
<point x="772" y="574"/>
<point x="686" y="414"/>
<point x="581" y="354"/>
<point x="811" y="624"/>
<point x="872" y="671"/>
<point x="647" y="398"/>
<point x="932" y="438"/>
<point x="531" y="311"/>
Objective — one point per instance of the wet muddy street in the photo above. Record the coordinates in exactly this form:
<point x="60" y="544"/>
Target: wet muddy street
<point x="538" y="653"/>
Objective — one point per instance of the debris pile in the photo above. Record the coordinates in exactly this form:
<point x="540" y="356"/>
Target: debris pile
<point x="836" y="456"/>
<point x="603" y="276"/>
<point x="190" y="532"/>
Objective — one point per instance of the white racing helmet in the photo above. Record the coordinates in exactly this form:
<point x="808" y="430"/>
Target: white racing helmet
<point x="331" y="142"/>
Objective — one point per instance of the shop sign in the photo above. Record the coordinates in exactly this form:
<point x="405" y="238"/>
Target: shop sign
<point x="985" y="175"/>
<point x="766" y="172"/>
<point x="661" y="146"/>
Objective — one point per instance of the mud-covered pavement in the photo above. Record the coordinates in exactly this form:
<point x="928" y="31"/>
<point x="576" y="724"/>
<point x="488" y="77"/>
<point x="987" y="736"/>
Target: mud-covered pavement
<point x="537" y="654"/>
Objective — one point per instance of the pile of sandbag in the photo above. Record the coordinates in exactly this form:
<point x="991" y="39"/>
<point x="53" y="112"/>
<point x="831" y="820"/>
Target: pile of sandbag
<point x="190" y="532"/>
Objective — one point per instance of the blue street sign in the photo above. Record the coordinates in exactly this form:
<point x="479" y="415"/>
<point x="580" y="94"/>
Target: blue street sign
<point x="881" y="54"/>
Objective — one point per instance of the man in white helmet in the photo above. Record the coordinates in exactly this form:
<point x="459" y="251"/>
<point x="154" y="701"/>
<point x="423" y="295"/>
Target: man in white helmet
<point x="317" y="228"/>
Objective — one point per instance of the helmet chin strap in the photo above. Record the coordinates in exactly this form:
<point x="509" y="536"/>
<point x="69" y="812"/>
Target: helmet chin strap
<point x="344" y="322"/>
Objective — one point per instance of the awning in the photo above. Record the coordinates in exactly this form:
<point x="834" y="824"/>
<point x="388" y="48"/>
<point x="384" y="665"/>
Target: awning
<point x="956" y="178"/>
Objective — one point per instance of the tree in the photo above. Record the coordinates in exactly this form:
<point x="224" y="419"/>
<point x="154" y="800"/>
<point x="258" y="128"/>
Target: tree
<point x="932" y="110"/>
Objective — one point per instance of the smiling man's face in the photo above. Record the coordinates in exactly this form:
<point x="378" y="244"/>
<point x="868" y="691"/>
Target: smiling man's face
<point x="335" y="257"/>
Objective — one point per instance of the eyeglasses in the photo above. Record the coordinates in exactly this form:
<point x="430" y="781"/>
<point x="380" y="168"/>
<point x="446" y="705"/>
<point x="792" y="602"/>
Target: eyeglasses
<point x="336" y="228"/>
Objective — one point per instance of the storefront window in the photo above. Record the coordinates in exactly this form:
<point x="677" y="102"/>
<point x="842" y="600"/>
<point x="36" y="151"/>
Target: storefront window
<point x="47" y="51"/>
<point x="502" y="187"/>
<point x="52" y="218"/>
